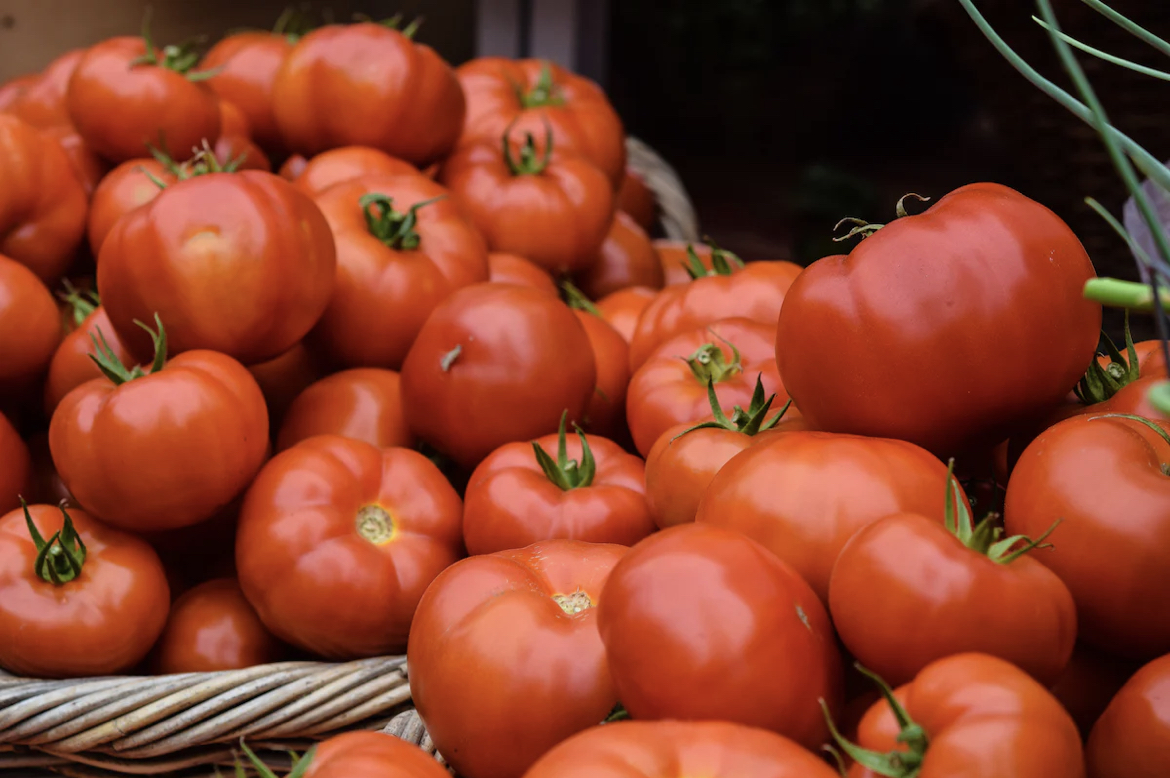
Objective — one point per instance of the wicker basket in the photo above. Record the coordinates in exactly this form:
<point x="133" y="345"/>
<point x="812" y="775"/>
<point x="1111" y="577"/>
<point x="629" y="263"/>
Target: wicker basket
<point x="189" y="725"/>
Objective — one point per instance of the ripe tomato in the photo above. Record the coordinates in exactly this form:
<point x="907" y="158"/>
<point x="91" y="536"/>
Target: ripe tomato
<point x="1090" y="681"/>
<point x="11" y="91"/>
<point x="1132" y="737"/>
<point x="30" y="329"/>
<point x="16" y="474"/>
<point x="626" y="259"/>
<point x="387" y="516"/>
<point x="211" y="628"/>
<point x="126" y="95"/>
<point x="505" y="660"/>
<point x="606" y="412"/>
<point x="531" y="94"/>
<point x="45" y="485"/>
<point x="188" y="435"/>
<point x="700" y="607"/>
<point x="803" y="495"/>
<point x="675" y="258"/>
<point x="1011" y="344"/>
<point x="245" y="65"/>
<point x="94" y="607"/>
<point x="124" y="188"/>
<point x="367" y="85"/>
<point x="638" y="200"/>
<point x="495" y="363"/>
<point x="671" y="387"/>
<point x="622" y="308"/>
<point x="362" y="403"/>
<point x="41" y="102"/>
<point x="345" y="164"/>
<point x="87" y="165"/>
<point x="1115" y="561"/>
<point x="239" y="152"/>
<point x="506" y="268"/>
<point x="364" y="754"/>
<point x="71" y="365"/>
<point x="678" y="749"/>
<point x="42" y="210"/>
<point x="215" y="257"/>
<point x="283" y="379"/>
<point x="402" y="248"/>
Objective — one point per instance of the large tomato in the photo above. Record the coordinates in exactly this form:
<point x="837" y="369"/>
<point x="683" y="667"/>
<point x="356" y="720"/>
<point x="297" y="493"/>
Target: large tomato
<point x="212" y="627"/>
<point x="700" y="607"/>
<point x="129" y="185"/>
<point x="364" y="403"/>
<point x="240" y="263"/>
<point x="803" y="495"/>
<point x="94" y="606"/>
<point x="402" y="248"/>
<point x="975" y="305"/>
<point x="30" y="329"/>
<point x="626" y="259"/>
<point x="532" y="94"/>
<point x="496" y="363"/>
<point x="366" y="754"/>
<point x="1132" y="737"/>
<point x="1104" y="478"/>
<point x="42" y="203"/>
<point x="187" y="435"/>
<point x="126" y="95"/>
<point x="42" y="102"/>
<point x="283" y="378"/>
<point x="622" y="308"/>
<point x="507" y="268"/>
<point x="71" y="364"/>
<point x="245" y="65"/>
<point x="636" y="198"/>
<point x="367" y="85"/>
<point x="387" y="517"/>
<point x="16" y="471"/>
<point x="505" y="659"/>
<point x="345" y="164"/>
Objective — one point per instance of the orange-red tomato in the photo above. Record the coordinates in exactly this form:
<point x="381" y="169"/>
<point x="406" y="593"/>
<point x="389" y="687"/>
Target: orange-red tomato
<point x="41" y="102"/>
<point x="30" y="328"/>
<point x="507" y="268"/>
<point x="16" y="471"/>
<point x="71" y="365"/>
<point x="293" y="167"/>
<point x="606" y="412"/>
<point x="626" y="259"/>
<point x="675" y="259"/>
<point x="638" y="200"/>
<point x="101" y="619"/>
<point x="239" y="152"/>
<point x="212" y="627"/>
<point x="364" y="403"/>
<point x="87" y="165"/>
<point x="386" y="516"/>
<point x="283" y="378"/>
<point x="622" y="308"/>
<point x="345" y="164"/>
<point x="366" y="754"/>
<point x="246" y="64"/>
<point x="123" y="189"/>
<point x="1132" y="737"/>
<point x="232" y="120"/>
<point x="11" y="91"/>
<point x="505" y="659"/>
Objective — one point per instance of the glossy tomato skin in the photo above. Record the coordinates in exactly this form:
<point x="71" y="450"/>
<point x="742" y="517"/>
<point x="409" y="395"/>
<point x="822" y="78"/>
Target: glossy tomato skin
<point x="216" y="258"/>
<point x="364" y="403"/>
<point x="283" y="378"/>
<point x="804" y="494"/>
<point x="1103" y="478"/>
<point x="625" y="259"/>
<point x="103" y="622"/>
<point x="30" y="328"/>
<point x="87" y="165"/>
<point x="637" y="199"/>
<point x="505" y="659"/>
<point x="16" y="473"/>
<point x="242" y="153"/>
<point x="368" y="85"/>
<point x="120" y="107"/>
<point x="42" y="102"/>
<point x="187" y="440"/>
<point x="366" y="754"/>
<point x="123" y="189"/>
<point x="247" y="63"/>
<point x="383" y="294"/>
<point x="71" y="365"/>
<point x="1132" y="737"/>
<point x="211" y="628"/>
<point x="345" y="164"/>
<point x="674" y="258"/>
<point x="523" y="360"/>
<point x="1022" y="271"/>
<point x="678" y="749"/>
<point x="698" y="606"/>
<point x="622" y="308"/>
<point x="504" y="268"/>
<point x="43" y="205"/>
<point x="606" y="413"/>
<point x="388" y="516"/>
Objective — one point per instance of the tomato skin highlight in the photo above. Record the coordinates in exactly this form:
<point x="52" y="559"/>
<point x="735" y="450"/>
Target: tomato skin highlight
<point x="212" y="628"/>
<point x="625" y="259"/>
<point x="1132" y="737"/>
<point x="247" y="65"/>
<point x="507" y="268"/>
<point x="622" y="308"/>
<point x="345" y="164"/>
<point x="363" y="403"/>
<point x="71" y="366"/>
<point x="16" y="467"/>
<point x="30" y="328"/>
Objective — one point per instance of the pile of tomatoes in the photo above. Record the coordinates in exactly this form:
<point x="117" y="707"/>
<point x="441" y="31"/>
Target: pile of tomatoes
<point x="431" y="387"/>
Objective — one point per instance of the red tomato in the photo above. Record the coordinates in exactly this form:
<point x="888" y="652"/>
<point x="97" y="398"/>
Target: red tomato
<point x="94" y="607"/>
<point x="671" y="386"/>
<point x="45" y="485"/>
<point x="367" y="85"/>
<point x="42" y="209"/>
<point x="124" y="96"/>
<point x="626" y="259"/>
<point x="87" y="165"/>
<point x="402" y="248"/>
<point x="41" y="102"/>
<point x="529" y="93"/>
<point x="293" y="167"/>
<point x="512" y="269"/>
<point x="367" y="754"/>
<point x="505" y="660"/>
<point x="246" y="64"/>
<point x="363" y="404"/>
<point x="622" y="308"/>
<point x="30" y="328"/>
<point x="124" y="188"/>
<point x="1116" y="562"/>
<point x="345" y="164"/>
<point x="283" y="379"/>
<point x="606" y="412"/>
<point x="71" y="365"/>
<point x="214" y="257"/>
<point x="675" y="258"/>
<point x="15" y="465"/>
<point x="1132" y="737"/>
<point x="238" y="152"/>
<point x="211" y="628"/>
<point x="804" y="494"/>
<point x="678" y="749"/>
<point x="12" y="91"/>
<point x="700" y="607"/>
<point x="1012" y="344"/>
<point x="386" y="516"/>
<point x="638" y="200"/>
<point x="496" y="363"/>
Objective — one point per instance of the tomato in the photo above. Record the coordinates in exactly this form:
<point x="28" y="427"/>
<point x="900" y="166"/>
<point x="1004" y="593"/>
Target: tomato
<point x="402" y="248"/>
<point x="366" y="754"/>
<point x="975" y="716"/>
<point x="345" y="164"/>
<point x="211" y="628"/>
<point x="606" y="412"/>
<point x="1132" y="737"/>
<point x="1011" y="345"/>
<point x="293" y="167"/>
<point x="30" y="328"/>
<point x="201" y="552"/>
<point x="284" y="378"/>
<point x="362" y="403"/>
<point x="214" y="257"/>
<point x="94" y="607"/>
<point x="513" y="269"/>
<point x="626" y="259"/>
<point x="531" y="94"/>
<point x="701" y="607"/>
<point x="804" y="494"/>
<point x="1090" y="681"/>
<point x="42" y="102"/>
<point x="495" y="363"/>
<point x="11" y="91"/>
<point x="675" y="258"/>
<point x="187" y="435"/>
<point x="15" y="465"/>
<point x="71" y="365"/>
<point x="245" y="65"/>
<point x="367" y="85"/>
<point x="87" y="165"/>
<point x="387" y="517"/>
<point x="505" y="659"/>
<point x="623" y="307"/>
<point x="1103" y="477"/>
<point x="637" y="199"/>
<point x="554" y="208"/>
<point x="238" y="152"/>
<point x="126" y="95"/>
<point x="671" y="386"/>
<point x="124" y="188"/>
<point x="43" y="205"/>
<point x="678" y="749"/>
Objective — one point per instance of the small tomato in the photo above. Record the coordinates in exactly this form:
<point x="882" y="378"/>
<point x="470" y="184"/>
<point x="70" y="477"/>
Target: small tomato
<point x="625" y="259"/>
<point x="211" y="628"/>
<point x="364" y="403"/>
<point x="1132" y="737"/>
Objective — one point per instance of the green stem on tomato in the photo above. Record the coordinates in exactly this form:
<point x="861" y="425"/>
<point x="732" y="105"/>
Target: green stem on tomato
<point x="723" y="262"/>
<point x="567" y="474"/>
<point x="112" y="368"/>
<point x="544" y="93"/>
<point x="1159" y="397"/>
<point x="394" y="229"/>
<point x="1101" y="383"/>
<point x="529" y="162"/>
<point x="709" y="365"/>
<point x="81" y="302"/>
<point x="59" y="559"/>
<point x="576" y="299"/>
<point x="866" y="229"/>
<point x="750" y="422"/>
<point x="181" y="59"/>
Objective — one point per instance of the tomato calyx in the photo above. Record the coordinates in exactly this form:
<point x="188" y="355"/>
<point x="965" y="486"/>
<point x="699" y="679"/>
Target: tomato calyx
<point x="619" y="713"/>
<point x="300" y="764"/>
<point x="61" y="557"/>
<point x="112" y="368"/>
<point x="393" y="23"/>
<point x="577" y="300"/>
<point x="708" y="364"/>
<point x="202" y="163"/>
<point x="723" y="262"/>
<point x="544" y="93"/>
<point x="394" y="229"/>
<point x="81" y="302"/>
<point x="567" y="474"/>
<point x="574" y="603"/>
<point x="865" y="229"/>
<point x="180" y="58"/>
<point x="750" y="422"/>
<point x="1101" y="383"/>
<point x="375" y="524"/>
<point x="894" y="764"/>
<point x="292" y="24"/>
<point x="529" y="162"/>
